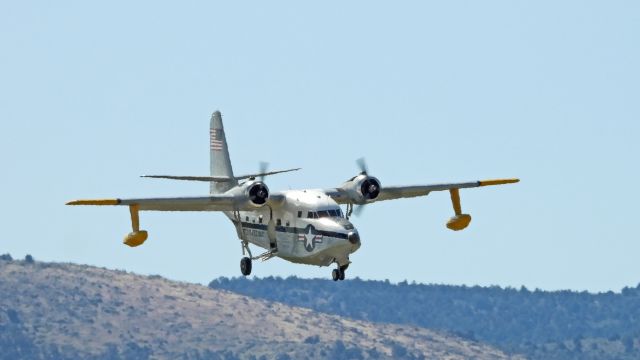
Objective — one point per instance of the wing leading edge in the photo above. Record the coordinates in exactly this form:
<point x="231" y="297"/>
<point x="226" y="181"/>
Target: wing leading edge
<point x="202" y="203"/>
<point x="399" y="192"/>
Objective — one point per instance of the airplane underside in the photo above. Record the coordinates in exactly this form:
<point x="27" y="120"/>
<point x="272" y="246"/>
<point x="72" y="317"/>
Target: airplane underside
<point x="290" y="246"/>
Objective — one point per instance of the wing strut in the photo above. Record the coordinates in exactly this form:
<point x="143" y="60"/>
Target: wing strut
<point x="460" y="220"/>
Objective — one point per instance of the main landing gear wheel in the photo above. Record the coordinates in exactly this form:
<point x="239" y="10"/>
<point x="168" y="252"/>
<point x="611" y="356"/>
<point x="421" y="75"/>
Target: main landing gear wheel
<point x="335" y="274"/>
<point x="245" y="266"/>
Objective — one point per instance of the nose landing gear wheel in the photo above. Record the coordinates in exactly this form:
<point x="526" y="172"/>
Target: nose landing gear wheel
<point x="245" y="266"/>
<point x="335" y="275"/>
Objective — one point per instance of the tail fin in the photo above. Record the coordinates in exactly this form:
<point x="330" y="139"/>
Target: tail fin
<point x="220" y="161"/>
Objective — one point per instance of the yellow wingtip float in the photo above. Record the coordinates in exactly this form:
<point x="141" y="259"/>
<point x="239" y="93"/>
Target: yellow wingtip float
<point x="135" y="238"/>
<point x="460" y="221"/>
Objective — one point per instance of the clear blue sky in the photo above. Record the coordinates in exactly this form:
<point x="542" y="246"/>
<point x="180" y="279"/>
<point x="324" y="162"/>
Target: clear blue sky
<point x="94" y="95"/>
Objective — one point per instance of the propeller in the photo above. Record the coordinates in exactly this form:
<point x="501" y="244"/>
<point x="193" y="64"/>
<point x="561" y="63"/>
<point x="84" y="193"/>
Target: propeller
<point x="362" y="164"/>
<point x="358" y="210"/>
<point x="258" y="194"/>
<point x="371" y="187"/>
<point x="263" y="169"/>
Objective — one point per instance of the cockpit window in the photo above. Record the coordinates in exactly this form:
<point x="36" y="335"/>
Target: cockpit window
<point x="325" y="213"/>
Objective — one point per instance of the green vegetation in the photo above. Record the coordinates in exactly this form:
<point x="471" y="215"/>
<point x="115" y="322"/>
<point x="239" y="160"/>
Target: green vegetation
<point x="538" y="324"/>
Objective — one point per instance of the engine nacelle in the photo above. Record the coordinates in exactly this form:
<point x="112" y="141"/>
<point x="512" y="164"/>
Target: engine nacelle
<point x="252" y="192"/>
<point x="258" y="193"/>
<point x="362" y="188"/>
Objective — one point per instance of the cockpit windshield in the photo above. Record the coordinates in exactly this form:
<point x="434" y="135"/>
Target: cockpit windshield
<point x="336" y="213"/>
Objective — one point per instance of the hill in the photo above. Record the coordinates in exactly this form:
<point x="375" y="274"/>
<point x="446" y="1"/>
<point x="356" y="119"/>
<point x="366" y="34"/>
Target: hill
<point x="537" y="324"/>
<point x="66" y="311"/>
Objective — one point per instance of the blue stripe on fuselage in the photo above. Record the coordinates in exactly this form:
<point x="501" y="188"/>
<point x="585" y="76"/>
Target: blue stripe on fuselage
<point x="291" y="229"/>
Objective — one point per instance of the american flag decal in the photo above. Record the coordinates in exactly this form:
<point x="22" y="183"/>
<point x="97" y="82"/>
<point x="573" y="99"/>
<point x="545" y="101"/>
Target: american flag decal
<point x="216" y="142"/>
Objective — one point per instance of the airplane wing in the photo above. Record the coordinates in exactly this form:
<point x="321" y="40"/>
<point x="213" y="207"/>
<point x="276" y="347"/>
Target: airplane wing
<point x="217" y="202"/>
<point x="399" y="192"/>
<point x="220" y="202"/>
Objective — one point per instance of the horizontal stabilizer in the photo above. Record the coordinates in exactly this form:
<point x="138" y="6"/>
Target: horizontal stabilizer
<point x="266" y="173"/>
<point x="190" y="178"/>
<point x="218" y="178"/>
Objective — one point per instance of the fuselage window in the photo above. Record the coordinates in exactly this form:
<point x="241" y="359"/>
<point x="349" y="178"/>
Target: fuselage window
<point x="287" y="224"/>
<point x="260" y="219"/>
<point x="299" y="214"/>
<point x="279" y="222"/>
<point x="246" y="219"/>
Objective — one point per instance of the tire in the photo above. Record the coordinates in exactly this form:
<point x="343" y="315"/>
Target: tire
<point x="335" y="275"/>
<point x="341" y="277"/>
<point x="245" y="266"/>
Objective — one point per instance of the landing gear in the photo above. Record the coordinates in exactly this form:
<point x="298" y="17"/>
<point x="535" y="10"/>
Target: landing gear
<point x="349" y="210"/>
<point x="245" y="262"/>
<point x="335" y="275"/>
<point x="338" y="274"/>
<point x="245" y="266"/>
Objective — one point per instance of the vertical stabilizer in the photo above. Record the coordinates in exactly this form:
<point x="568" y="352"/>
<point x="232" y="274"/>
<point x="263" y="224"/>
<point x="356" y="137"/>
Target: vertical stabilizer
<point x="220" y="161"/>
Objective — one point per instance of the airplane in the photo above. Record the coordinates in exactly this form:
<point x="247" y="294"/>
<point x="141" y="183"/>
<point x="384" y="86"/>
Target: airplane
<point x="301" y="226"/>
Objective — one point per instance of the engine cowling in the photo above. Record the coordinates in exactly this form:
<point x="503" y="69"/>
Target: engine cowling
<point x="362" y="188"/>
<point x="370" y="188"/>
<point x="258" y="193"/>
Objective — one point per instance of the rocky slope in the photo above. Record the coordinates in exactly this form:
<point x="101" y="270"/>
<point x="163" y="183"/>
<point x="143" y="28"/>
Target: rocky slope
<point x="50" y="310"/>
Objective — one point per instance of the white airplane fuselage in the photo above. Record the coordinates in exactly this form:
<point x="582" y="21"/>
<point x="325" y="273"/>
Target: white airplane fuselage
<point x="310" y="228"/>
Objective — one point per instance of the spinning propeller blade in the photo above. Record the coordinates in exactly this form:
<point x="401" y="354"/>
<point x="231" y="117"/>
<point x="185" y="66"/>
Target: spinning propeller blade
<point x="263" y="169"/>
<point x="358" y="210"/>
<point x="362" y="164"/>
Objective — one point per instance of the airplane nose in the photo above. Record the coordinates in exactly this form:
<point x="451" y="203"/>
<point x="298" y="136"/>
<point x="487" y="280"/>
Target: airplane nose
<point x="353" y="238"/>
